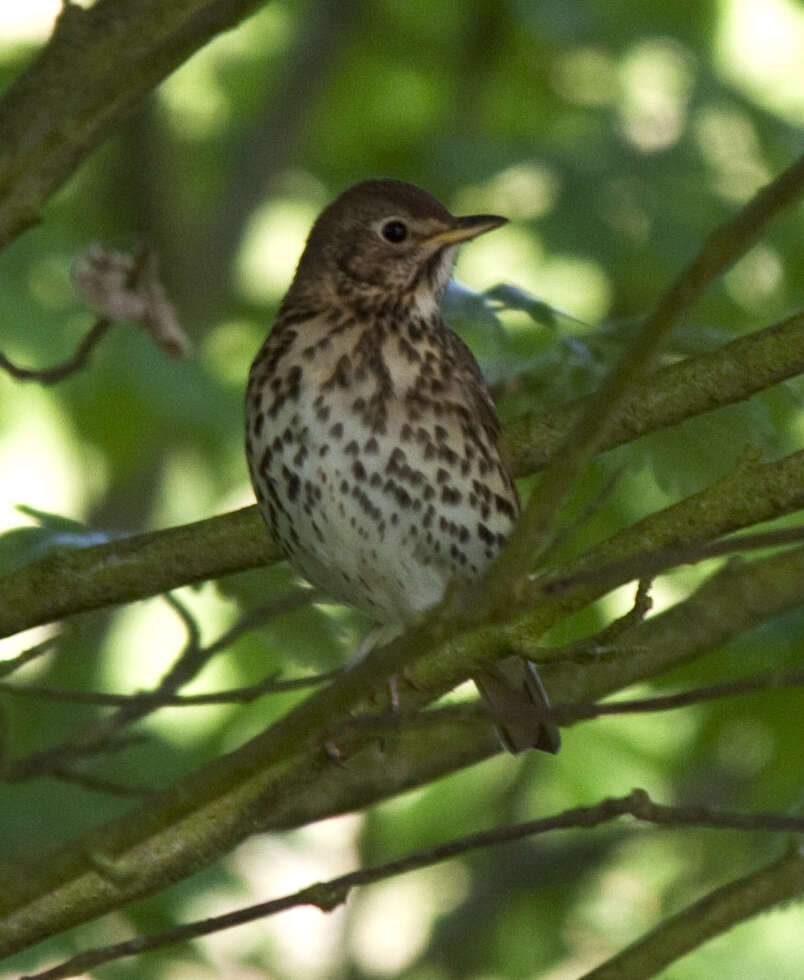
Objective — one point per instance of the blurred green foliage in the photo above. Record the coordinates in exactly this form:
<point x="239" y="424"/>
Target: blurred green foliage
<point x="615" y="136"/>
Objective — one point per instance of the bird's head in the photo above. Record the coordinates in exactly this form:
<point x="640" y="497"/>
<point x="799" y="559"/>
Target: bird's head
<point x="385" y="240"/>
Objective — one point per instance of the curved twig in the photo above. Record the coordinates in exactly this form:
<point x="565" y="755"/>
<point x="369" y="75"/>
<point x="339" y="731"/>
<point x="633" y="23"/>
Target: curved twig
<point x="330" y="894"/>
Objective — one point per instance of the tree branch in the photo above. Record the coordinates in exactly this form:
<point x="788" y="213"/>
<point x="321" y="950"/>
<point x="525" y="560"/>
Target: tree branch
<point x="715" y="913"/>
<point x="58" y="372"/>
<point x="730" y="374"/>
<point x="154" y="699"/>
<point x="68" y="580"/>
<point x="567" y="714"/>
<point x="118" y="50"/>
<point x="330" y="894"/>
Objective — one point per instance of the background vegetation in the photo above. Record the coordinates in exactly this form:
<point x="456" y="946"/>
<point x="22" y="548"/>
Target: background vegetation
<point x="615" y="137"/>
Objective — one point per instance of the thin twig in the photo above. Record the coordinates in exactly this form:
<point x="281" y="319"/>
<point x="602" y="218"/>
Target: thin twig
<point x="9" y="666"/>
<point x="566" y="534"/>
<point x="97" y="737"/>
<point x="663" y="559"/>
<point x="153" y="699"/>
<point x="38" y="763"/>
<point x="97" y="784"/>
<point x="260" y="615"/>
<point x="330" y="894"/>
<point x="603" y="645"/>
<point x="79" y="360"/>
<point x="567" y="714"/>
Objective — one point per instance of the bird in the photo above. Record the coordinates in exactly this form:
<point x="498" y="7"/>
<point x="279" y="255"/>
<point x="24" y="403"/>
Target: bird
<point x="371" y="433"/>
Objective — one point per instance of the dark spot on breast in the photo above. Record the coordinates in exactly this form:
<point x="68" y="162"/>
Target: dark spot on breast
<point x="485" y="535"/>
<point x="293" y="483"/>
<point x="342" y="375"/>
<point x="395" y="461"/>
<point x="481" y="490"/>
<point x="447" y="455"/>
<point x="504" y="506"/>
<point x="449" y="495"/>
<point x="408" y="351"/>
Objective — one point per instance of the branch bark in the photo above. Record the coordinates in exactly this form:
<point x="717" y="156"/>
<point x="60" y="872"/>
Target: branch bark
<point x="730" y="374"/>
<point x="120" y="51"/>
<point x="781" y="881"/>
<point x="68" y="580"/>
<point x="715" y="913"/>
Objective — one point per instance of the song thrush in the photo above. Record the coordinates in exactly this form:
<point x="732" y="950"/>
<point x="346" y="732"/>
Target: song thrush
<point x="371" y="435"/>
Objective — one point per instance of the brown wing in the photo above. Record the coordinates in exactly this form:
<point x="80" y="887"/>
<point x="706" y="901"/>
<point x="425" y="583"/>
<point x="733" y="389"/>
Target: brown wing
<point x="474" y="384"/>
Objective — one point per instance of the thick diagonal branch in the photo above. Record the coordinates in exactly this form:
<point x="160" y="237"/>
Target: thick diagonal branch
<point x="713" y="914"/>
<point x="100" y="61"/>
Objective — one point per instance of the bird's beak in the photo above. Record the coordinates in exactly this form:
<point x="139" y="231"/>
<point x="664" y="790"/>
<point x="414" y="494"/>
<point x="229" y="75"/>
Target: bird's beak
<point x="471" y="226"/>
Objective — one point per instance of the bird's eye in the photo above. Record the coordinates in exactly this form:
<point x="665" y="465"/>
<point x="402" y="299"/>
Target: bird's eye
<point x="394" y="231"/>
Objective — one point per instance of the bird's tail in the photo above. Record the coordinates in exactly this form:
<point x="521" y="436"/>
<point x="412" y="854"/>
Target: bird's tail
<point x="517" y="701"/>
